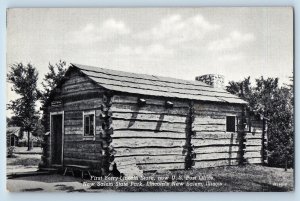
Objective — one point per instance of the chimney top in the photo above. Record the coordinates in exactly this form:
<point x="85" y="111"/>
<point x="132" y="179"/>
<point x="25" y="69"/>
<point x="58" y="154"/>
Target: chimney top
<point x="214" y="80"/>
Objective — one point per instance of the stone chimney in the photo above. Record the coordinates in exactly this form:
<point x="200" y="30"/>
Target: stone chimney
<point x="214" y="80"/>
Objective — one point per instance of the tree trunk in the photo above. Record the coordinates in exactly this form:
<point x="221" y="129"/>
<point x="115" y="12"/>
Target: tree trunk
<point x="285" y="167"/>
<point x="29" y="144"/>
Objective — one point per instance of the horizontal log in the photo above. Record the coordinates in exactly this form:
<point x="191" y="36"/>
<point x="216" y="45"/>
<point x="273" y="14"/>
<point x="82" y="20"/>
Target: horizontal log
<point x="82" y="145"/>
<point x="77" y="114"/>
<point x="254" y="160"/>
<point x="156" y="126"/>
<point x="206" y="142"/>
<point x="129" y="162"/>
<point x="215" y="135"/>
<point x="206" y="128"/>
<point x="216" y="149"/>
<point x="149" y="117"/>
<point x="253" y="148"/>
<point x="83" y="149"/>
<point x="79" y="123"/>
<point x="217" y="107"/>
<point x="73" y="128"/>
<point x="74" y="137"/>
<point x="148" y="151"/>
<point x="147" y="134"/>
<point x="219" y="114"/>
<point x="83" y="156"/>
<point x="211" y="115"/>
<point x="219" y="110"/>
<point x="81" y="95"/>
<point x="252" y="154"/>
<point x="253" y="142"/>
<point x="207" y="164"/>
<point x="78" y="87"/>
<point x="147" y="142"/>
<point x="69" y="161"/>
<point x="73" y="115"/>
<point x="213" y="156"/>
<point x="82" y="138"/>
<point x="74" y="132"/>
<point x="208" y="120"/>
<point x="153" y="159"/>
<point x="74" y="79"/>
<point x="253" y="136"/>
<point x="78" y="82"/>
<point x="151" y="101"/>
<point x="78" y="130"/>
<point x="168" y="166"/>
<point x="73" y="122"/>
<point x="152" y="109"/>
<point x="87" y="104"/>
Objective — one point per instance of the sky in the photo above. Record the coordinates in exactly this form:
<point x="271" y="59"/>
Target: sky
<point x="174" y="42"/>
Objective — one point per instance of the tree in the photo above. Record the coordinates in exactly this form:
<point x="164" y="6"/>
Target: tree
<point x="275" y="103"/>
<point x="52" y="78"/>
<point x="50" y="81"/>
<point x="243" y="90"/>
<point x="24" y="79"/>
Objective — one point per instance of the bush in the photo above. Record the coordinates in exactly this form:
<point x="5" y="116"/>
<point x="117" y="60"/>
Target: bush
<point x="11" y="151"/>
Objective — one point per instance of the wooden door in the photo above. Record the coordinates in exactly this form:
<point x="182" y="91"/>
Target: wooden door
<point x="56" y="139"/>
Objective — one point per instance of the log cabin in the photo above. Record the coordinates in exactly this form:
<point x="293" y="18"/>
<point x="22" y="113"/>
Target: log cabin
<point x="110" y="120"/>
<point x="12" y="135"/>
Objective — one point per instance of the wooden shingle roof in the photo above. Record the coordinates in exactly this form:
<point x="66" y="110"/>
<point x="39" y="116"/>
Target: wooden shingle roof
<point x="156" y="85"/>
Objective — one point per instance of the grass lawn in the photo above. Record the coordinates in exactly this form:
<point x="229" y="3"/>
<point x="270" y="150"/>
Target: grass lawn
<point x="23" y="150"/>
<point x="251" y="178"/>
<point x="25" y="160"/>
<point x="22" y="163"/>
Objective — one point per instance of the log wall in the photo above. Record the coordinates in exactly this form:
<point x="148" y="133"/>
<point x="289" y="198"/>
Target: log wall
<point x="150" y="136"/>
<point x="78" y="94"/>
<point x="213" y="146"/>
<point x="155" y="138"/>
<point x="254" y="143"/>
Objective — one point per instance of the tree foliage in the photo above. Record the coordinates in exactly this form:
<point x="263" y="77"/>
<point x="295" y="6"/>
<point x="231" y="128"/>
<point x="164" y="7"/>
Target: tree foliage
<point x="52" y="78"/>
<point x="50" y="81"/>
<point x="275" y="103"/>
<point x="24" y="79"/>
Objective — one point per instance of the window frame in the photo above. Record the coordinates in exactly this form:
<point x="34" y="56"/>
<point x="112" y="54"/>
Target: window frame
<point x="248" y="124"/>
<point x="84" y="114"/>
<point x="235" y="124"/>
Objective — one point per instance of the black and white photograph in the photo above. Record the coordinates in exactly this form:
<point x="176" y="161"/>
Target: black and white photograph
<point x="190" y="99"/>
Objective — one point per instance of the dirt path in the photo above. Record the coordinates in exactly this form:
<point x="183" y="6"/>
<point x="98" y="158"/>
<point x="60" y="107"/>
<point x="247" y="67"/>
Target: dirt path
<point x="46" y="183"/>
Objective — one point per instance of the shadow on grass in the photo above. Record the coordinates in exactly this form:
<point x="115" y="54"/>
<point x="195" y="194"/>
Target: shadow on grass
<point x="32" y="189"/>
<point x="66" y="188"/>
<point x="54" y="178"/>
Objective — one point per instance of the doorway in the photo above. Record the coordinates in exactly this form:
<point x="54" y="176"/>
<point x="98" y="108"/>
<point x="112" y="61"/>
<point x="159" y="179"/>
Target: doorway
<point x="57" y="139"/>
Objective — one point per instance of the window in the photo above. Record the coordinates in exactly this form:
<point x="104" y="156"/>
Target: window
<point x="230" y="124"/>
<point x="243" y="124"/>
<point x="89" y="123"/>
